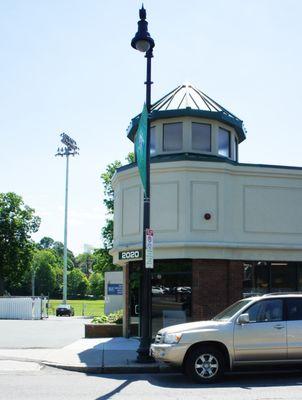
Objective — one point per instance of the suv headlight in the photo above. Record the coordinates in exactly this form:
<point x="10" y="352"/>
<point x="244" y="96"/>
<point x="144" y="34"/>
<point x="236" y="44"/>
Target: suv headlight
<point x="171" y="338"/>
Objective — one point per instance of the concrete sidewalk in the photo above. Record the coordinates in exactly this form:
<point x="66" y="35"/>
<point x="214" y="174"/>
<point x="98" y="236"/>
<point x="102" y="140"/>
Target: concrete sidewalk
<point x="104" y="355"/>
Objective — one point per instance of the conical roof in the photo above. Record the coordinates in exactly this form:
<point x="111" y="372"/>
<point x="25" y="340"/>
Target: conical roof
<point x="187" y="100"/>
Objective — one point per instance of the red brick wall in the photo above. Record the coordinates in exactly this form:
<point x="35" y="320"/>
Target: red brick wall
<point x="215" y="285"/>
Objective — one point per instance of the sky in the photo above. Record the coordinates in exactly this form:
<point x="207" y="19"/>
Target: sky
<point x="67" y="66"/>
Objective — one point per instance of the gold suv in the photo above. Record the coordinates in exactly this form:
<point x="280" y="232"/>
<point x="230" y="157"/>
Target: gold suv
<point x="256" y="330"/>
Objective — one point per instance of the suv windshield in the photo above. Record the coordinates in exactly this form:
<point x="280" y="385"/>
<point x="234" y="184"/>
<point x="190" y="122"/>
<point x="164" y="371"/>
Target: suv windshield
<point x="232" y="310"/>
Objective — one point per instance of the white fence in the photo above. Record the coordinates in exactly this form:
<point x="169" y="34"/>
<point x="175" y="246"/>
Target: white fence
<point x="23" y="307"/>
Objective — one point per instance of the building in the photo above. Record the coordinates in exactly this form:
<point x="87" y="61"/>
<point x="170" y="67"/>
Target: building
<point x="223" y="229"/>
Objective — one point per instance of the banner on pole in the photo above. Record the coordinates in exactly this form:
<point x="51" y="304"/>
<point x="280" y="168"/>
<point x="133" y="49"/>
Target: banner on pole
<point x="141" y="145"/>
<point x="149" y="249"/>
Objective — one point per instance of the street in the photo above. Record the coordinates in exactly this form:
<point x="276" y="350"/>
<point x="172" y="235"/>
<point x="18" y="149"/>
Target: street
<point x="29" y="380"/>
<point x="50" y="383"/>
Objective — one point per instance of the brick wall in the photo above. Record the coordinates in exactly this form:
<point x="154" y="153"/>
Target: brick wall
<point x="215" y="285"/>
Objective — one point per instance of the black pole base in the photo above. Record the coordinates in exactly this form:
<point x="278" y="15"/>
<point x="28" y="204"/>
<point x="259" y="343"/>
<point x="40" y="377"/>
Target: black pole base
<point x="144" y="357"/>
<point x="143" y="352"/>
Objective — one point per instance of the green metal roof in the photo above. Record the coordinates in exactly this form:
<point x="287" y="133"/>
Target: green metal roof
<point x="188" y="101"/>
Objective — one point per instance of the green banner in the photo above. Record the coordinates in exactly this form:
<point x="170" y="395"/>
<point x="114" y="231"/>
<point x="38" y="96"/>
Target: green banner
<point x="141" y="145"/>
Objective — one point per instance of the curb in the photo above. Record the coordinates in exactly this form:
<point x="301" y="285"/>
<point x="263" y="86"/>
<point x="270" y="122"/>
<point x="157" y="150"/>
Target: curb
<point x="113" y="369"/>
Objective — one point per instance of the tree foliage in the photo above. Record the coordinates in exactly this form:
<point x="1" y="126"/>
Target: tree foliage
<point x="86" y="262"/>
<point x="108" y="189"/>
<point x="50" y="244"/>
<point x="47" y="270"/>
<point x="107" y="231"/>
<point x="77" y="283"/>
<point x="96" y="281"/>
<point x="17" y="223"/>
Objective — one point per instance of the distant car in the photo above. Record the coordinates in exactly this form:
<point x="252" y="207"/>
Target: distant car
<point x="157" y="290"/>
<point x="64" y="309"/>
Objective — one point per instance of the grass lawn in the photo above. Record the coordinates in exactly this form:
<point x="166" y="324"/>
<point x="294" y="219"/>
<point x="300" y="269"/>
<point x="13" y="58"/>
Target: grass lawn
<point x="90" y="307"/>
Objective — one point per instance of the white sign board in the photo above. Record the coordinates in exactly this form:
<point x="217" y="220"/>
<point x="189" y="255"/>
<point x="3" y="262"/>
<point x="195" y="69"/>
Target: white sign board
<point x="149" y="249"/>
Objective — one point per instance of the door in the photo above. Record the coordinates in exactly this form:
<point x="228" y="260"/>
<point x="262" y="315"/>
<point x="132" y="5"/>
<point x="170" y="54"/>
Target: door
<point x="294" y="328"/>
<point x="264" y="337"/>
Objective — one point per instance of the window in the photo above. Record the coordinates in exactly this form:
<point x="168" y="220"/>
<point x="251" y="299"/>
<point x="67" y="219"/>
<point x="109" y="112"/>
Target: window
<point x="152" y="141"/>
<point x="294" y="309"/>
<point x="234" y="149"/>
<point x="266" y="311"/>
<point x="231" y="311"/>
<point x="172" y="137"/>
<point x="224" y="146"/>
<point x="201" y="137"/>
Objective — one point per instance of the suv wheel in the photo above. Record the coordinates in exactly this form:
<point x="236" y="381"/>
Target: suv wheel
<point x="204" y="364"/>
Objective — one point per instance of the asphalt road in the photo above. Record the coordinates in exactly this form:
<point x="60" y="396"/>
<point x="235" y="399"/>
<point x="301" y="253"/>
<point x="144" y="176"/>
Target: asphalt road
<point x="50" y="384"/>
<point x="54" y="332"/>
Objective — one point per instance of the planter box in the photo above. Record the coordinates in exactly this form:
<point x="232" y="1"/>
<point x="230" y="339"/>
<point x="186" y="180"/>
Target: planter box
<point x="108" y="330"/>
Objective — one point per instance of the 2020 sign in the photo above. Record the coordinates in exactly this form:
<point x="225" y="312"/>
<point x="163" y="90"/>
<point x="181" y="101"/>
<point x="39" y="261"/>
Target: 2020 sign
<point x="130" y="255"/>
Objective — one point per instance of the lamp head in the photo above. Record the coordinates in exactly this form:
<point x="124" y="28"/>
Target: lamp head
<point x="142" y="40"/>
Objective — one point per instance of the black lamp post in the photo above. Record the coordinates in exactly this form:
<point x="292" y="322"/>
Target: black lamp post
<point x="143" y="42"/>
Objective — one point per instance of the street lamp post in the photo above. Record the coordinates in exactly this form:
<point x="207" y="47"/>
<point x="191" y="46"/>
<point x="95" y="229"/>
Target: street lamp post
<point x="70" y="149"/>
<point x="143" y="42"/>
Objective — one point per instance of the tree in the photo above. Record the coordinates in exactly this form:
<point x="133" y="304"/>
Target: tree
<point x="49" y="243"/>
<point x="96" y="281"/>
<point x="77" y="283"/>
<point x="46" y="269"/>
<point x="17" y="223"/>
<point x="107" y="231"/>
<point x="46" y="243"/>
<point x="85" y="262"/>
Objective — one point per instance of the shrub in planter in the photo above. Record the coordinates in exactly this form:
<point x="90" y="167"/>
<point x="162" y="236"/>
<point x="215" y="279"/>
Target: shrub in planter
<point x="112" y="318"/>
<point x="105" y="326"/>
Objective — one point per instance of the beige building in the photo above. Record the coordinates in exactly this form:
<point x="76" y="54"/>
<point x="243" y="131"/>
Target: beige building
<point x="222" y="229"/>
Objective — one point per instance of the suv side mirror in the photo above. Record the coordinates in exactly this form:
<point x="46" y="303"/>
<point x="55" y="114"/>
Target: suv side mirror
<point x="243" y="319"/>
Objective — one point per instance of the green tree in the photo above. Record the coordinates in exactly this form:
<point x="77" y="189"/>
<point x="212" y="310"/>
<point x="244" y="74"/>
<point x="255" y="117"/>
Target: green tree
<point x="17" y="223"/>
<point x="107" y="231"/>
<point x="96" y="281"/>
<point x="77" y="283"/>
<point x="49" y="243"/>
<point x="47" y="269"/>
<point x="85" y="262"/>
<point x="46" y="243"/>
<point x="104" y="260"/>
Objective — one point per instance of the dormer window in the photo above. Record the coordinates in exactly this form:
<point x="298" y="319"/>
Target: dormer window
<point x="201" y="137"/>
<point x="224" y="142"/>
<point x="172" y="137"/>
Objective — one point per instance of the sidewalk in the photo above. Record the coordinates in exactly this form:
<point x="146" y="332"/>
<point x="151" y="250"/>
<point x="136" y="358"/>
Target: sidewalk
<point x="104" y="355"/>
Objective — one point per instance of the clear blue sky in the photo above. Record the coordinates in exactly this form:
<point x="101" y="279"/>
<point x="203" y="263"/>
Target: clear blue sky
<point x="67" y="65"/>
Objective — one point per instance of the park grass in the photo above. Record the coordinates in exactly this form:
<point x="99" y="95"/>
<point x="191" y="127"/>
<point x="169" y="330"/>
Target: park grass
<point x="90" y="308"/>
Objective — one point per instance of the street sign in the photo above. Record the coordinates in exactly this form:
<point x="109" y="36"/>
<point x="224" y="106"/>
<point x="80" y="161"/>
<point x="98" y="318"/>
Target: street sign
<point x="149" y="249"/>
<point x="130" y="255"/>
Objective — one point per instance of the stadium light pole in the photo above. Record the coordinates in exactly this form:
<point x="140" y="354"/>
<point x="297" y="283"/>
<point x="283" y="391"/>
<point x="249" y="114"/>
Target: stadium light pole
<point x="70" y="148"/>
<point x="144" y="43"/>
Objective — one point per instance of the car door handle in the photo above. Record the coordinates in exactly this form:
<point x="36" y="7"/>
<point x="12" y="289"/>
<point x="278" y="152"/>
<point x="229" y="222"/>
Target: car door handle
<point x="278" y="326"/>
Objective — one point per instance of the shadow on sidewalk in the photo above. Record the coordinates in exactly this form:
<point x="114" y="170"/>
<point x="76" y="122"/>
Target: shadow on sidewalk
<point x="114" y="351"/>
